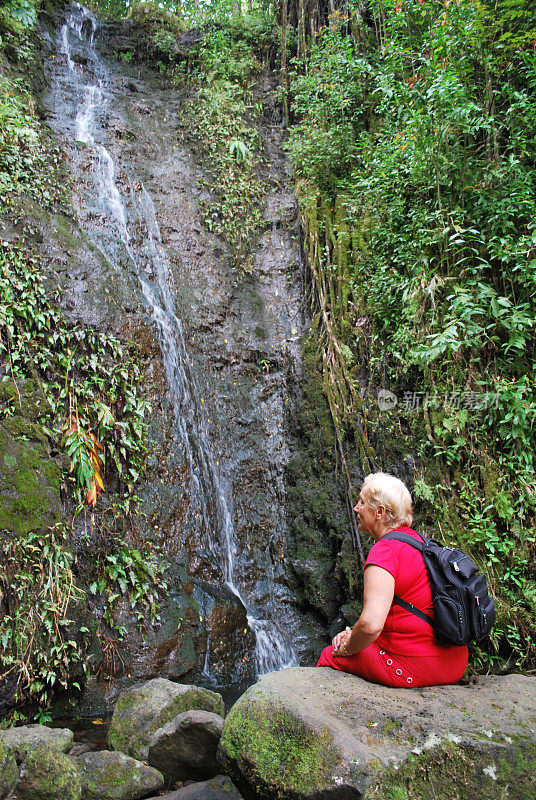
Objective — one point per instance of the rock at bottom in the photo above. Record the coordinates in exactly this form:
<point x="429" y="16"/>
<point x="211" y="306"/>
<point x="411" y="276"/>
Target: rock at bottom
<point x="218" y="788"/>
<point x="142" y="710"/>
<point x="21" y="740"/>
<point x="110" y="775"/>
<point x="186" y="747"/>
<point x="48" y="775"/>
<point x="9" y="773"/>
<point x="315" y="734"/>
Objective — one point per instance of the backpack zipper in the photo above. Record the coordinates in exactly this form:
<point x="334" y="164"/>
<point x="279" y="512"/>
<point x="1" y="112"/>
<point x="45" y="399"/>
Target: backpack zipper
<point x="455" y="563"/>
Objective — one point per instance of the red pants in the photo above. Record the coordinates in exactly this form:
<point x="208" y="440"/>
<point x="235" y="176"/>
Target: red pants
<point x="379" y="666"/>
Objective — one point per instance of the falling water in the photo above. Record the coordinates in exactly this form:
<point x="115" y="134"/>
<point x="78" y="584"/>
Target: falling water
<point x="210" y="491"/>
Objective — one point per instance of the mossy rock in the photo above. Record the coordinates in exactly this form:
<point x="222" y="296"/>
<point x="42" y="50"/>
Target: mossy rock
<point x="151" y="14"/>
<point x="29" y="478"/>
<point x="109" y="775"/>
<point x="316" y="506"/>
<point x="279" y="755"/>
<point x="306" y="734"/>
<point x="141" y="711"/>
<point x="27" y="737"/>
<point x="26" y="399"/>
<point x="9" y="772"/>
<point x="454" y="772"/>
<point x="48" y="775"/>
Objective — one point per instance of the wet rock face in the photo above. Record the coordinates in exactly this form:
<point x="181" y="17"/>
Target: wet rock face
<point x="231" y="643"/>
<point x="242" y="354"/>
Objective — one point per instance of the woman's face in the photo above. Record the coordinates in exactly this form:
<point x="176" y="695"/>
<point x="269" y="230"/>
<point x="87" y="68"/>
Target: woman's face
<point x="366" y="516"/>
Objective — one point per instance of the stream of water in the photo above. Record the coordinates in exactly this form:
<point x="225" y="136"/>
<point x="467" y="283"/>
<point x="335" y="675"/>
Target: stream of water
<point x="131" y="222"/>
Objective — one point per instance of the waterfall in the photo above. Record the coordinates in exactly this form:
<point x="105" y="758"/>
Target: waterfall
<point x="210" y="489"/>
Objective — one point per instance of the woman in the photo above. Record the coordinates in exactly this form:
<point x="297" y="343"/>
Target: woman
<point x="388" y="644"/>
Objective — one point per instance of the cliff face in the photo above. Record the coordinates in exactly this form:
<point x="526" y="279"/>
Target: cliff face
<point x="226" y="564"/>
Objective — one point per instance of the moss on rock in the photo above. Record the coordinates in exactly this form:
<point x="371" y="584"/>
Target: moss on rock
<point x="452" y="772"/>
<point x="316" y="509"/>
<point x="147" y="13"/>
<point x="162" y="30"/>
<point x="141" y="711"/>
<point x="279" y="756"/>
<point x="48" y="775"/>
<point x="29" y="479"/>
<point x="114" y="776"/>
<point x="9" y="773"/>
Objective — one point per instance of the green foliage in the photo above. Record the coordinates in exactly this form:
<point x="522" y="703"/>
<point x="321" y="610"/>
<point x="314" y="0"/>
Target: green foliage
<point x="222" y="117"/>
<point x="85" y="375"/>
<point x="37" y="591"/>
<point x="27" y="162"/>
<point x="17" y="14"/>
<point x="12" y="720"/>
<point x="417" y="167"/>
<point x="328" y="97"/>
<point x="128" y="574"/>
<point x="162" y="26"/>
<point x="92" y="406"/>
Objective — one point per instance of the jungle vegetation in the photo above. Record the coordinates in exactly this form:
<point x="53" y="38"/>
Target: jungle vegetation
<point x="412" y="133"/>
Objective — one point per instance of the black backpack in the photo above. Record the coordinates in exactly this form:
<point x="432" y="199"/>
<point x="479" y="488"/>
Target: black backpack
<point x="463" y="610"/>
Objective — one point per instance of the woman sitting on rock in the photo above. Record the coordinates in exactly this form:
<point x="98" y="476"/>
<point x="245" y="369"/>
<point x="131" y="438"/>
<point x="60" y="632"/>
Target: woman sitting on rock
<point x="388" y="644"/>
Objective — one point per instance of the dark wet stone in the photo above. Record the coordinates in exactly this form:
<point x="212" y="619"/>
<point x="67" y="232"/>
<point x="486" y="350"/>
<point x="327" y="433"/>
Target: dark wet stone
<point x="186" y="747"/>
<point x="229" y="639"/>
<point x="219" y="788"/>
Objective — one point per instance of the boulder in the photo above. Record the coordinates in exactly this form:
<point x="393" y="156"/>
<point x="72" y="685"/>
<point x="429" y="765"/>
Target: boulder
<point x="318" y="733"/>
<point x="47" y="774"/>
<point x="109" y="775"/>
<point x="219" y="788"/>
<point x="9" y="772"/>
<point x="186" y="747"/>
<point x="141" y="711"/>
<point x="21" y="740"/>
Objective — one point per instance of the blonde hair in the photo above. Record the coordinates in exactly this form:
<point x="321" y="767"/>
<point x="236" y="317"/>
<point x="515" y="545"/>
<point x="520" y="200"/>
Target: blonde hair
<point x="388" y="491"/>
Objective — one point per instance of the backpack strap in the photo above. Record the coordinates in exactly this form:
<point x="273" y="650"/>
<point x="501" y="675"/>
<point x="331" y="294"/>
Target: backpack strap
<point x="398" y="601"/>
<point x="404" y="537"/>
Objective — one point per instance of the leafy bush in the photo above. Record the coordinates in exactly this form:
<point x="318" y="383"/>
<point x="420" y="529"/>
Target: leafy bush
<point x="418" y="167"/>
<point x="39" y="648"/>
<point x="222" y="116"/>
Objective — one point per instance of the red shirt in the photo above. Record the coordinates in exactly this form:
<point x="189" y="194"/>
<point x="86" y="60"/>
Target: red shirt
<point x="404" y="633"/>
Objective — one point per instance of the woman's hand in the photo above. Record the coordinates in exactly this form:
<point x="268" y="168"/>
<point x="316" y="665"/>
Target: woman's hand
<point x="339" y="640"/>
<point x="377" y="599"/>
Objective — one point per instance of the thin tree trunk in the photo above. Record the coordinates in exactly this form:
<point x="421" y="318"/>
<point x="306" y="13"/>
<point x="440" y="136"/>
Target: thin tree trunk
<point x="284" y="67"/>
<point x="302" y="43"/>
<point x="492" y="145"/>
